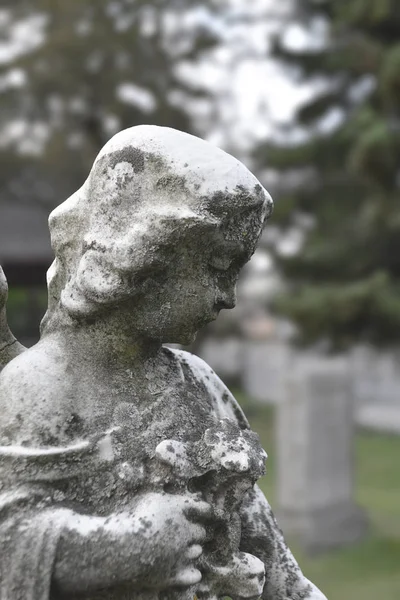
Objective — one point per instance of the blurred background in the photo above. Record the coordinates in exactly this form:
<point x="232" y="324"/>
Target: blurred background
<point x="307" y="94"/>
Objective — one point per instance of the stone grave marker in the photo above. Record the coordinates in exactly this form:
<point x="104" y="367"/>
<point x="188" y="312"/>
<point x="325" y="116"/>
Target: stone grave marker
<point x="315" y="425"/>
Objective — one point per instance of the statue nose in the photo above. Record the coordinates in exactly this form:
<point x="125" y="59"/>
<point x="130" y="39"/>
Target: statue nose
<point x="226" y="300"/>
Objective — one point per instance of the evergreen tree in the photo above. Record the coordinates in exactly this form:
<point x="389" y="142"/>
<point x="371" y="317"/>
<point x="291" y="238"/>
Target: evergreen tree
<point x="85" y="69"/>
<point x="344" y="283"/>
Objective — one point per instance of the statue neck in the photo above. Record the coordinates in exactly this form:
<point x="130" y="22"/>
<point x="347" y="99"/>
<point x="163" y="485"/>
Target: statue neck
<point x="107" y="342"/>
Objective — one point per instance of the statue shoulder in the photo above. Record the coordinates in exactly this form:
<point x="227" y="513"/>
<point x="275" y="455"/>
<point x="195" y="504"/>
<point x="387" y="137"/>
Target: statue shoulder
<point x="31" y="395"/>
<point x="223" y="400"/>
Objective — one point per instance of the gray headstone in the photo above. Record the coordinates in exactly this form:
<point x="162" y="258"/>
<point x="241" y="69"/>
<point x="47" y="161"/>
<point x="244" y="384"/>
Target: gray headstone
<point x="224" y="355"/>
<point x="265" y="365"/>
<point x="315" y="455"/>
<point x="376" y="388"/>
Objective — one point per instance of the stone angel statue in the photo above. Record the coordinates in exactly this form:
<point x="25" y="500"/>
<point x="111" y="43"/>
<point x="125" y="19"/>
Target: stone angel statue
<point x="127" y="469"/>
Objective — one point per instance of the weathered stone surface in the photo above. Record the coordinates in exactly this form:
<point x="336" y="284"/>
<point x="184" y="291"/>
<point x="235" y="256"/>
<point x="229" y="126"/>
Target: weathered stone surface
<point x="9" y="346"/>
<point x="127" y="469"/>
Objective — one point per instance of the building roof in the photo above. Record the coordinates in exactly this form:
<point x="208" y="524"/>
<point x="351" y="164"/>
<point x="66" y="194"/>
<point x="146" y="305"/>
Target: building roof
<point x="24" y="234"/>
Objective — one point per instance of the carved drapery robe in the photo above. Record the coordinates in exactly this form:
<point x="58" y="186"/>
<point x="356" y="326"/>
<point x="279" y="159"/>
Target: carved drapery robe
<point x="43" y="489"/>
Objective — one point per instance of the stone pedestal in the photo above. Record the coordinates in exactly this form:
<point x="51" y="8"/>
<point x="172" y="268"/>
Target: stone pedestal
<point x="315" y="455"/>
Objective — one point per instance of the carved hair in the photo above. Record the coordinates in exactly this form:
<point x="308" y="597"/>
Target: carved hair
<point x="149" y="189"/>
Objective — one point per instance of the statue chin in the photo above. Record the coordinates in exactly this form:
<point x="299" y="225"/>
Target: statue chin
<point x="187" y="339"/>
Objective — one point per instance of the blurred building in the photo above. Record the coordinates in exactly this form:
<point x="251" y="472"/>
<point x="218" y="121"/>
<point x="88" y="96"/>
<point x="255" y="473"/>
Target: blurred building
<point x="25" y="255"/>
<point x="25" y="251"/>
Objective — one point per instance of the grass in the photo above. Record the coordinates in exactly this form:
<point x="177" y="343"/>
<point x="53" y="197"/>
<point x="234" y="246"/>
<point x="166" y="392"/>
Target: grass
<point x="369" y="569"/>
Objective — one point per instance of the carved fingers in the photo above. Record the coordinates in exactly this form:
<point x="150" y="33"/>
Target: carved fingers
<point x="242" y="578"/>
<point x="174" y="526"/>
<point x="198" y="510"/>
<point x="186" y="577"/>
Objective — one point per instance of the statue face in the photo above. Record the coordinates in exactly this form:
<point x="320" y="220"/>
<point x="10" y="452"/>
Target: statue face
<point x="156" y="236"/>
<point x="200" y="281"/>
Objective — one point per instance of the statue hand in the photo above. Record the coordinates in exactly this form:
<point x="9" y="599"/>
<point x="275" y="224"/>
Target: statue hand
<point x="173" y="538"/>
<point x="242" y="578"/>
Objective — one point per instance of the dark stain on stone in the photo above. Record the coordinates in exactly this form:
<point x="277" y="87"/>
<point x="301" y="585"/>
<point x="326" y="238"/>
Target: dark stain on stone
<point x="130" y="154"/>
<point x="74" y="425"/>
<point x="94" y="245"/>
<point x="172" y="182"/>
<point x="225" y="397"/>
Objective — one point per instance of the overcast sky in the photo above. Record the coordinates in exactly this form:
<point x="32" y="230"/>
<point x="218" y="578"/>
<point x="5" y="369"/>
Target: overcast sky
<point x="254" y="92"/>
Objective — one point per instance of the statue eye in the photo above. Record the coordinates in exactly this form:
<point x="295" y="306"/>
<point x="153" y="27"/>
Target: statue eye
<point x="220" y="263"/>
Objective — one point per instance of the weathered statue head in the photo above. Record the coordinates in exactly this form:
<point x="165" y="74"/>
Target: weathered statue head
<point x="159" y="231"/>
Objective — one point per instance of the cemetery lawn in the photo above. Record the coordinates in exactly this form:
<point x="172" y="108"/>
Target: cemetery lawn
<point x="369" y="569"/>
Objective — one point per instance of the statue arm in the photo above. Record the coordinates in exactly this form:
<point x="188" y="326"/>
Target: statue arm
<point x="153" y="546"/>
<point x="262" y="537"/>
<point x="54" y="548"/>
<point x="50" y="547"/>
<point x="95" y="553"/>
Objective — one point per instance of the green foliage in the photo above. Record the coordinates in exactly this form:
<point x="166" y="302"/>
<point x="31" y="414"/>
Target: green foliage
<point x="79" y="56"/>
<point x="390" y="76"/>
<point x="344" y="284"/>
<point x="374" y="153"/>
<point x="25" y="310"/>
<point x="365" y="309"/>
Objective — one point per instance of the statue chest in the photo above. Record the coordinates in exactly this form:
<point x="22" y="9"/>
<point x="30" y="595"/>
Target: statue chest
<point x="124" y="464"/>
